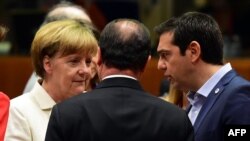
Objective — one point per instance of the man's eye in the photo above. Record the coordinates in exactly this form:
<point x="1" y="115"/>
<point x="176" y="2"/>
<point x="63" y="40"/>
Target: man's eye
<point x="163" y="55"/>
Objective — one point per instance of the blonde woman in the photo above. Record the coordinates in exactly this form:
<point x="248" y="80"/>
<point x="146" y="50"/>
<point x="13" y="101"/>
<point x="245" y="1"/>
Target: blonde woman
<point x="61" y="52"/>
<point x="64" y="11"/>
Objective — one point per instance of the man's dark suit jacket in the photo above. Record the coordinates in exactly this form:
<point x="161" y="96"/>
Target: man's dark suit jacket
<point x="227" y="104"/>
<point x="118" y="110"/>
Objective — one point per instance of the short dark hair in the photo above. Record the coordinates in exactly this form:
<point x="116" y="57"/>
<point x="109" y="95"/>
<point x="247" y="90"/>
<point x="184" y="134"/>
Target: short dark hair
<point x="125" y="50"/>
<point x="196" y="26"/>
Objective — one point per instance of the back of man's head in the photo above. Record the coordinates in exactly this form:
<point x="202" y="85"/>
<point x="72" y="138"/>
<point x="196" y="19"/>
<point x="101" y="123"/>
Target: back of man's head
<point x="125" y="44"/>
<point x="67" y="10"/>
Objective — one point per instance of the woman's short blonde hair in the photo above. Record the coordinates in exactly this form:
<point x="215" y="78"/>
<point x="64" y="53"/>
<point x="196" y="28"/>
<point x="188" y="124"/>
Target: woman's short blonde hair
<point x="64" y="37"/>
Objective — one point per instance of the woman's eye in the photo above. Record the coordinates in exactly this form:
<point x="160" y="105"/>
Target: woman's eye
<point x="88" y="61"/>
<point x="74" y="61"/>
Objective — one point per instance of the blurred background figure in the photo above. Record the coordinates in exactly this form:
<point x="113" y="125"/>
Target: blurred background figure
<point x="62" y="11"/>
<point x="164" y="88"/>
<point x="4" y="99"/>
<point x="177" y="97"/>
<point x="67" y="10"/>
<point x="61" y="53"/>
<point x="3" y="32"/>
<point x="172" y="94"/>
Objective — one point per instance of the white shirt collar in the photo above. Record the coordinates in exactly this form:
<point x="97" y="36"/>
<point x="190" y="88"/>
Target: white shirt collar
<point x="119" y="75"/>
<point x="211" y="82"/>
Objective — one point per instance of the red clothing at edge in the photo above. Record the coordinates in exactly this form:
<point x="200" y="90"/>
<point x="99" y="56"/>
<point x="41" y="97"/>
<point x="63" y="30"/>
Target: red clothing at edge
<point x="4" y="113"/>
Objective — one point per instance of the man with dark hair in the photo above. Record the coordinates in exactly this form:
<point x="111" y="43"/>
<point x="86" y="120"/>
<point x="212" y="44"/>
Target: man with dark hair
<point x="119" y="109"/>
<point x="191" y="54"/>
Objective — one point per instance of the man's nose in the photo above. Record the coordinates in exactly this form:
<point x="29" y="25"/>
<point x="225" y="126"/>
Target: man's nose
<point x="161" y="65"/>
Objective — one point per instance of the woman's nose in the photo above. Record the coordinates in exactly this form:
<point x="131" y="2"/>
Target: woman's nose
<point x="84" y="68"/>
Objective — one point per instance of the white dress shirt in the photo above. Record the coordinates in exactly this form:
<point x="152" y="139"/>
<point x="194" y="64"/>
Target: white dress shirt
<point x="198" y="99"/>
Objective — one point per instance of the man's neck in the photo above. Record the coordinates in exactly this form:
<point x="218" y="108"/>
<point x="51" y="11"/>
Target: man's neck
<point x="205" y="72"/>
<point x="105" y="71"/>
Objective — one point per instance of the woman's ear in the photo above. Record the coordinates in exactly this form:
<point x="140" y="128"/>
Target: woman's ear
<point x="194" y="50"/>
<point x="47" y="64"/>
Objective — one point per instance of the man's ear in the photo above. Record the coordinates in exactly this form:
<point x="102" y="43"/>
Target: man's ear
<point x="194" y="51"/>
<point x="149" y="58"/>
<point x="99" y="57"/>
<point x="47" y="64"/>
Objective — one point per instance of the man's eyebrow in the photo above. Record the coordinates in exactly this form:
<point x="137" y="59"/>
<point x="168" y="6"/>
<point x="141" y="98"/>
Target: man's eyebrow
<point x="162" y="51"/>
